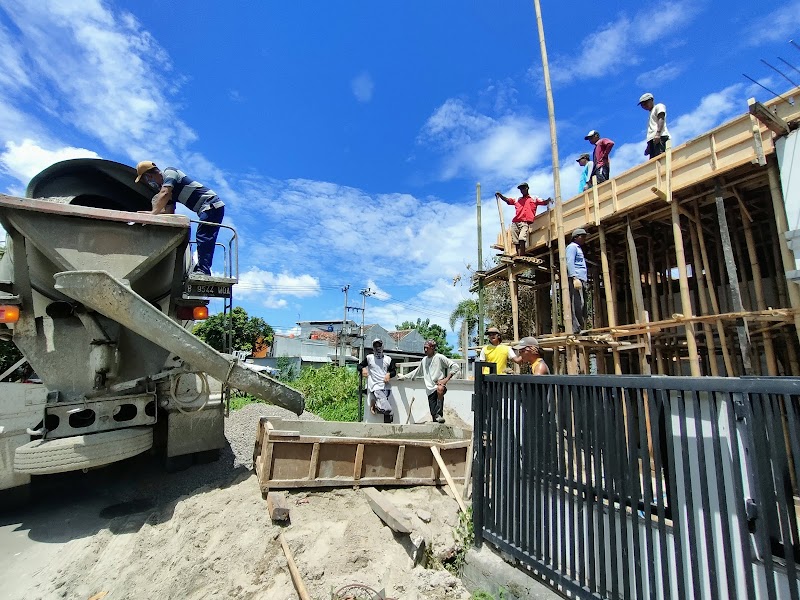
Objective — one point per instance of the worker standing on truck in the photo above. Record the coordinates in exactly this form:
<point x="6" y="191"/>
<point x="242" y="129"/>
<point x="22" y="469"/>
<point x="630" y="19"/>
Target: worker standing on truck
<point x="173" y="185"/>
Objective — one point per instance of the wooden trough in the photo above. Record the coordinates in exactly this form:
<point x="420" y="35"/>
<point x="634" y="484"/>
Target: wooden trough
<point x="317" y="454"/>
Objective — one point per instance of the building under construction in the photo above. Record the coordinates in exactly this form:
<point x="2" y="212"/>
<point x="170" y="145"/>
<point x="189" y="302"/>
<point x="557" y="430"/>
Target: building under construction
<point x="691" y="268"/>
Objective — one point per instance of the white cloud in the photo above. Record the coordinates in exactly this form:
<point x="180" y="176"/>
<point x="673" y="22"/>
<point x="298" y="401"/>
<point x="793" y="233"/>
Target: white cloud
<point x="778" y="26"/>
<point x="713" y="109"/>
<point x="620" y="43"/>
<point x="477" y="145"/>
<point x="97" y="72"/>
<point x="376" y="292"/>
<point x="659" y="76"/>
<point x="271" y="289"/>
<point x="363" y="87"/>
<point x="26" y="159"/>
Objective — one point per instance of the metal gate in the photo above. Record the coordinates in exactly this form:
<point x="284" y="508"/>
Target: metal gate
<point x="642" y="487"/>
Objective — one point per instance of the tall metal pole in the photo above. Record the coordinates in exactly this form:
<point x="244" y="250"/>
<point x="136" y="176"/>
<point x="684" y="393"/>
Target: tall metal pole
<point x="364" y="293"/>
<point x="480" y="266"/>
<point x="566" y="301"/>
<point x="344" y="321"/>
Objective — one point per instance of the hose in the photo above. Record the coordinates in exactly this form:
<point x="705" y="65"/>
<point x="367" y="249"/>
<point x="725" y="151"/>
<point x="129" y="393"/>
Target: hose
<point x="205" y="390"/>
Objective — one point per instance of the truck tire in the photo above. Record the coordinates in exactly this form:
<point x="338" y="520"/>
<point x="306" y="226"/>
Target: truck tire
<point x="41" y="457"/>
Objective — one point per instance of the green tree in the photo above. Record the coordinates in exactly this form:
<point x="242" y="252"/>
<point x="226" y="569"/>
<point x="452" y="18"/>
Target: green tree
<point x="247" y="331"/>
<point x="432" y="331"/>
<point x="466" y="312"/>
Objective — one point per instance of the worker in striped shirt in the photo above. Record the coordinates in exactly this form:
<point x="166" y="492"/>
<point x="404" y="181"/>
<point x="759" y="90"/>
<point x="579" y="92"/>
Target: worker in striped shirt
<point x="173" y="186"/>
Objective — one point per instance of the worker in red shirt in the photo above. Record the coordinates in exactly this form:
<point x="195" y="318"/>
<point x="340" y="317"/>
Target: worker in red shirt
<point x="602" y="164"/>
<point x="526" y="214"/>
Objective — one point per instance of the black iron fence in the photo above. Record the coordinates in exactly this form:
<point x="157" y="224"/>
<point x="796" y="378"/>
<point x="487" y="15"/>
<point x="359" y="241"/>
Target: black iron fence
<point x="642" y="487"/>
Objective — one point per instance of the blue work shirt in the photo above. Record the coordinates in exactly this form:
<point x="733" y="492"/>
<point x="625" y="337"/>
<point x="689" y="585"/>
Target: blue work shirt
<point x="586" y="175"/>
<point x="576" y="263"/>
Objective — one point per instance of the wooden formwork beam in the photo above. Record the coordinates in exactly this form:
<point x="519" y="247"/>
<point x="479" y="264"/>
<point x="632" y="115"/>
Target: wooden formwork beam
<point x="700" y="278"/>
<point x="733" y="280"/>
<point x="609" y="293"/>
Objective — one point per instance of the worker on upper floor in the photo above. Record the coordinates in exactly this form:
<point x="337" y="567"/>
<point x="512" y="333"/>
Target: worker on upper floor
<point x="657" y="132"/>
<point x="585" y="161"/>
<point x="523" y="220"/>
<point x="600" y="157"/>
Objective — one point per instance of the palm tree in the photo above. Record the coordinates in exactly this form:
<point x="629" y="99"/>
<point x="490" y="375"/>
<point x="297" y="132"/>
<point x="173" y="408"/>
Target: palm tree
<point x="467" y="313"/>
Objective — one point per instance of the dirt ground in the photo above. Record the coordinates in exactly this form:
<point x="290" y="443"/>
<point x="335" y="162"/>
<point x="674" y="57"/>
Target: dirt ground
<point x="139" y="532"/>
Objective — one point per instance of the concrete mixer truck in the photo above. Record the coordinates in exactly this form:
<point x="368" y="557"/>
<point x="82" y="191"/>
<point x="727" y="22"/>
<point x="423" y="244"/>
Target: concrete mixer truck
<point x="98" y="298"/>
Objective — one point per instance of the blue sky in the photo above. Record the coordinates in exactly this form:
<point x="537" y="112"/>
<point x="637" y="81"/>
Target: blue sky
<point x="346" y="138"/>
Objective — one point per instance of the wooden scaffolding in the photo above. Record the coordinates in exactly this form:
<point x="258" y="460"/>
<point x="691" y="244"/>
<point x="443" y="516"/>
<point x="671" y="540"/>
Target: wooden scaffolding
<point x="687" y="261"/>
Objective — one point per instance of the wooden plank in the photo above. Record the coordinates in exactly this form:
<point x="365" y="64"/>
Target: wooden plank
<point x="387" y="512"/>
<point x="302" y="592"/>
<point x="733" y="279"/>
<point x="292" y="484"/>
<point x="314" y="463"/>
<point x="277" y="507"/>
<point x="466" y="490"/>
<point x="358" y="463"/>
<point x="448" y="478"/>
<point x="398" y="465"/>
<point x="772" y="121"/>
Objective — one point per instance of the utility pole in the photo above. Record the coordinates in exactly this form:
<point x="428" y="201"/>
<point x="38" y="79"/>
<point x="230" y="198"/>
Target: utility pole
<point x="344" y="321"/>
<point x="480" y="267"/>
<point x="566" y="301"/>
<point x="364" y="293"/>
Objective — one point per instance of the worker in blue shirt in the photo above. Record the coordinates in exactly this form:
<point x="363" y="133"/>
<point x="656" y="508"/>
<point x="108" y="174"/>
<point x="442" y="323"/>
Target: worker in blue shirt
<point x="577" y="275"/>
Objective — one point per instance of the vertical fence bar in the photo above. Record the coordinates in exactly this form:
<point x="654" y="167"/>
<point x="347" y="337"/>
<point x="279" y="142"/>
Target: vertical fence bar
<point x="609" y="480"/>
<point x="578" y="405"/>
<point x="600" y="471"/>
<point x="622" y="452"/>
<point x="783" y="490"/>
<point x="765" y="497"/>
<point x="723" y="494"/>
<point x="634" y="491"/>
<point x="647" y="493"/>
<point x="738" y="465"/>
<point x="656" y="406"/>
<point x="691" y="548"/>
<point x="479" y="464"/>
<point x="675" y="510"/>
<point x="705" y="493"/>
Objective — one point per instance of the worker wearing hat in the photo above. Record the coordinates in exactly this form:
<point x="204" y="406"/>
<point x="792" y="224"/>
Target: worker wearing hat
<point x="379" y="370"/>
<point x="577" y="276"/>
<point x="523" y="220"/>
<point x="436" y="371"/>
<point x="173" y="185"/>
<point x="600" y="158"/>
<point x="496" y="352"/>
<point x="531" y="353"/>
<point x="585" y="161"/>
<point x="657" y="132"/>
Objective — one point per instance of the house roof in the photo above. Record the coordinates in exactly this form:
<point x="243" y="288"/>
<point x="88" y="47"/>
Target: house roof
<point x="400" y="334"/>
<point x="328" y="336"/>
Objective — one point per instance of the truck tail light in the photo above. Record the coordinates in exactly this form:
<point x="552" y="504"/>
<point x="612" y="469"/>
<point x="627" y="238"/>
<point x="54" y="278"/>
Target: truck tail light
<point x="9" y="313"/>
<point x="192" y="313"/>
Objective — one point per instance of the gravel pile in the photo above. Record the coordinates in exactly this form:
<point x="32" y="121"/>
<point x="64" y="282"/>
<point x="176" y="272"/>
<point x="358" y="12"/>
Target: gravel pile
<point x="240" y="428"/>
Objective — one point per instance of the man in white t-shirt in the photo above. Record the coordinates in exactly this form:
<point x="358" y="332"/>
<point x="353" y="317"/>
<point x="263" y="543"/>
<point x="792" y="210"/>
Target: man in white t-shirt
<point x="379" y="369"/>
<point x="657" y="132"/>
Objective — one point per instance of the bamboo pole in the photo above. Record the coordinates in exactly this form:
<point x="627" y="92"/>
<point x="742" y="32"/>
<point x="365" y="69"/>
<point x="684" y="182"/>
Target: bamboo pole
<point x="566" y="301"/>
<point x="700" y="278"/>
<point x="694" y="361"/>
<point x="654" y="299"/>
<point x="302" y="592"/>
<point x="782" y="226"/>
<point x="609" y="293"/>
<point x="783" y="297"/>
<point x="758" y="287"/>
<point x="636" y="293"/>
<point x="733" y="279"/>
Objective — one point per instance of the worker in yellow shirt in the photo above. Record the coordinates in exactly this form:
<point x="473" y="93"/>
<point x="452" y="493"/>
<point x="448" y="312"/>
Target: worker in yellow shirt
<point x="496" y="352"/>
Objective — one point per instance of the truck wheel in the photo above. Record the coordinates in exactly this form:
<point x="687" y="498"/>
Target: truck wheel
<point x="82" y="451"/>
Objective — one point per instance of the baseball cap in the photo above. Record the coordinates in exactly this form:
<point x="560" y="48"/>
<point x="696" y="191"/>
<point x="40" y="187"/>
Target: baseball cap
<point x="493" y="330"/>
<point x="579" y="231"/>
<point x="522" y="185"/>
<point x="377" y="341"/>
<point x="591" y="133"/>
<point x="584" y="155"/>
<point x="143" y="167"/>
<point x="525" y="342"/>
<point x="645" y="97"/>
